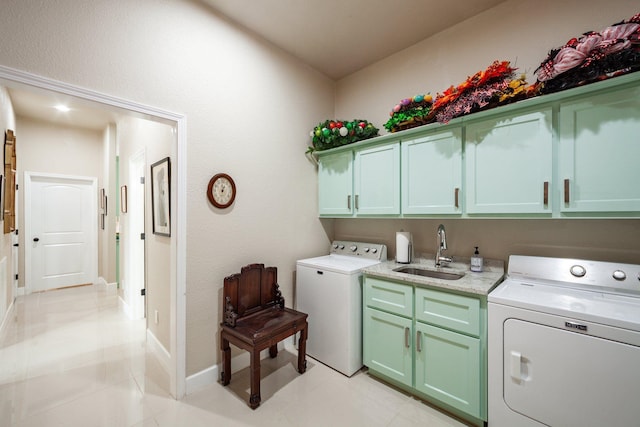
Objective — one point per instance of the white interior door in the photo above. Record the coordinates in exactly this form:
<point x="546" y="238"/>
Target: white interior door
<point x="61" y="230"/>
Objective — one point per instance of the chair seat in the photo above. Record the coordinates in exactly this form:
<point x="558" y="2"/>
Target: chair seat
<point x="266" y="325"/>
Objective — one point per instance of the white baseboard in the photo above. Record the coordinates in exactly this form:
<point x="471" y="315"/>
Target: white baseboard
<point x="154" y="346"/>
<point x="211" y="374"/>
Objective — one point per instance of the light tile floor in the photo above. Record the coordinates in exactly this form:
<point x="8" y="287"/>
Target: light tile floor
<point x="71" y="358"/>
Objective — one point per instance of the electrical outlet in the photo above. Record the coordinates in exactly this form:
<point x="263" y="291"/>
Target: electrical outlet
<point x="156" y="316"/>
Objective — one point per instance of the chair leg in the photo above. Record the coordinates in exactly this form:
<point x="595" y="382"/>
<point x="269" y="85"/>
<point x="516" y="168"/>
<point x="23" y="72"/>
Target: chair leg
<point x="273" y="351"/>
<point x="302" y="351"/>
<point x="225" y="376"/>
<point x="254" y="398"/>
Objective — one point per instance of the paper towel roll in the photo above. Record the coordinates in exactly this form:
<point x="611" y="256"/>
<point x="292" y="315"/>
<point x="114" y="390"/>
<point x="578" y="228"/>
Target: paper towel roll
<point x="403" y="247"/>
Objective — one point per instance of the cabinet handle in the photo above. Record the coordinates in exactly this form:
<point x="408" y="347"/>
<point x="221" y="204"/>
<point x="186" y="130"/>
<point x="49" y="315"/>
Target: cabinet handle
<point x="546" y="192"/>
<point x="566" y="191"/>
<point x="455" y="192"/>
<point x="418" y="341"/>
<point x="349" y="202"/>
<point x="406" y="337"/>
<point x="357" y="202"/>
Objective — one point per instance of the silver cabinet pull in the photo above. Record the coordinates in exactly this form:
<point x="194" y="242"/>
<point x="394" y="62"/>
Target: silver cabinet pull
<point x="406" y="337"/>
<point x="566" y="191"/>
<point x="418" y="341"/>
<point x="545" y="188"/>
<point x="455" y="192"/>
<point x="349" y="201"/>
<point x="357" y="202"/>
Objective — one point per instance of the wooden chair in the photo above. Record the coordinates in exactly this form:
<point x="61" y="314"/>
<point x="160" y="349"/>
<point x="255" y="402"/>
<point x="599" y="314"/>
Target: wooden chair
<point x="255" y="319"/>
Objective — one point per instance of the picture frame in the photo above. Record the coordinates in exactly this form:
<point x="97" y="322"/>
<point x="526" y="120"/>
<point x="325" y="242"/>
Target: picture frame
<point x="123" y="199"/>
<point x="161" y="197"/>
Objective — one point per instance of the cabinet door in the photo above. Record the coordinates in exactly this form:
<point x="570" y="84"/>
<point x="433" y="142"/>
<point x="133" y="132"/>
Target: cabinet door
<point x="509" y="165"/>
<point x="387" y="345"/>
<point x="377" y="180"/>
<point x="599" y="152"/>
<point x="448" y="367"/>
<point x="335" y="184"/>
<point x="432" y="174"/>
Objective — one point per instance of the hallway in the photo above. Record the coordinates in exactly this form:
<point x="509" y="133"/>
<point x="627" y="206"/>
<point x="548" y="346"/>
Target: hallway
<point x="73" y="359"/>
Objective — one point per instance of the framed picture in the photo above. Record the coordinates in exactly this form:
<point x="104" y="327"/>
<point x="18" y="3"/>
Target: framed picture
<point x="161" y="197"/>
<point x="123" y="199"/>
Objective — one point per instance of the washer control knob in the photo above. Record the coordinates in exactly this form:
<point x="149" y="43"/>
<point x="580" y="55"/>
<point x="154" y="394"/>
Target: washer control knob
<point x="619" y="275"/>
<point x="353" y="248"/>
<point x="335" y="246"/>
<point x="374" y="250"/>
<point x="366" y="250"/>
<point x="341" y="246"/>
<point x="578" y="270"/>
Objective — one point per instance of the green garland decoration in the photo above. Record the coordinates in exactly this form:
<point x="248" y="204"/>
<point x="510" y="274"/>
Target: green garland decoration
<point x="410" y="112"/>
<point x="335" y="133"/>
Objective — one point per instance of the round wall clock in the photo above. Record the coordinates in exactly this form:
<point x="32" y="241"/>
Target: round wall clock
<point x="221" y="191"/>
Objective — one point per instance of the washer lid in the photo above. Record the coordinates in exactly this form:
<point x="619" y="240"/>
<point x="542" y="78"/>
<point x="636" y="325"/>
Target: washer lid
<point x="338" y="263"/>
<point x="600" y="307"/>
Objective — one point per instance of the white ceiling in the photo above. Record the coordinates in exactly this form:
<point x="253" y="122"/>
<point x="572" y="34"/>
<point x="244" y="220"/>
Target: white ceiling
<point x="336" y="37"/>
<point x="339" y="37"/>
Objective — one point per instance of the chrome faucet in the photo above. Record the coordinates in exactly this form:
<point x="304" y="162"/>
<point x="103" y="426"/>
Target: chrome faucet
<point x="442" y="246"/>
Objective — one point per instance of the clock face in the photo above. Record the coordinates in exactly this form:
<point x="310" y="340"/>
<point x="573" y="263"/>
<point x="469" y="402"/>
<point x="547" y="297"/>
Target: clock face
<point x="221" y="191"/>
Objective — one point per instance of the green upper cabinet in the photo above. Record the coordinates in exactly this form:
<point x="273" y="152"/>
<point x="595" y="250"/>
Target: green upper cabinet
<point x="335" y="184"/>
<point x="377" y="180"/>
<point x="509" y="164"/>
<point x="599" y="153"/>
<point x="432" y="174"/>
<point x="568" y="154"/>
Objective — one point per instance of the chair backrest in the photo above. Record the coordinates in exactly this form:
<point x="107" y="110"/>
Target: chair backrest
<point x="254" y="288"/>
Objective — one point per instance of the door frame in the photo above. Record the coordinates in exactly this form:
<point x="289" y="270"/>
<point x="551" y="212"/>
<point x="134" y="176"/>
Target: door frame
<point x="136" y="301"/>
<point x="177" y="358"/>
<point x="28" y="184"/>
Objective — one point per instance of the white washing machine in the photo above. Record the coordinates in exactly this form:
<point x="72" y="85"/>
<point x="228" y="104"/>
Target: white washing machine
<point x="564" y="344"/>
<point x="329" y="290"/>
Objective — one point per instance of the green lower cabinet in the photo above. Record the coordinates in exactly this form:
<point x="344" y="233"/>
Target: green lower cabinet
<point x="428" y="341"/>
<point x="448" y="367"/>
<point x="391" y="352"/>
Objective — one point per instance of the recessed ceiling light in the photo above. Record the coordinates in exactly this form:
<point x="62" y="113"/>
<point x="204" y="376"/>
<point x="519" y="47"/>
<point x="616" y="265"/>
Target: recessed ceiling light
<point x="62" y="108"/>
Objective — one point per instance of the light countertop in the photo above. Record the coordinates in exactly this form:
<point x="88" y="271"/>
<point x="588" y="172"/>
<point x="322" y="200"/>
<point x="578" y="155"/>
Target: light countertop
<point x="472" y="282"/>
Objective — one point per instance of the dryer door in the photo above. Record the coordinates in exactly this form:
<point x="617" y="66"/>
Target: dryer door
<point x="563" y="378"/>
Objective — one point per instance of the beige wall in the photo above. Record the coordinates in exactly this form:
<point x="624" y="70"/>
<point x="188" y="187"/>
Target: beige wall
<point x="7" y="121"/>
<point x="48" y="148"/>
<point x="520" y="31"/>
<point x="157" y="141"/>
<point x="249" y="109"/>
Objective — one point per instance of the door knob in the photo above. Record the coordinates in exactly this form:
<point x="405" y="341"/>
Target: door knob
<point x="36" y="239"/>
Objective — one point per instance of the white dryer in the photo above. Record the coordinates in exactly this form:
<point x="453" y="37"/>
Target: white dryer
<point x="564" y="344"/>
<point x="329" y="290"/>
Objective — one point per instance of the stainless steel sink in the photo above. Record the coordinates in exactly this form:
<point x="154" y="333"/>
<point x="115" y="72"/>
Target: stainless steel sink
<point x="429" y="273"/>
